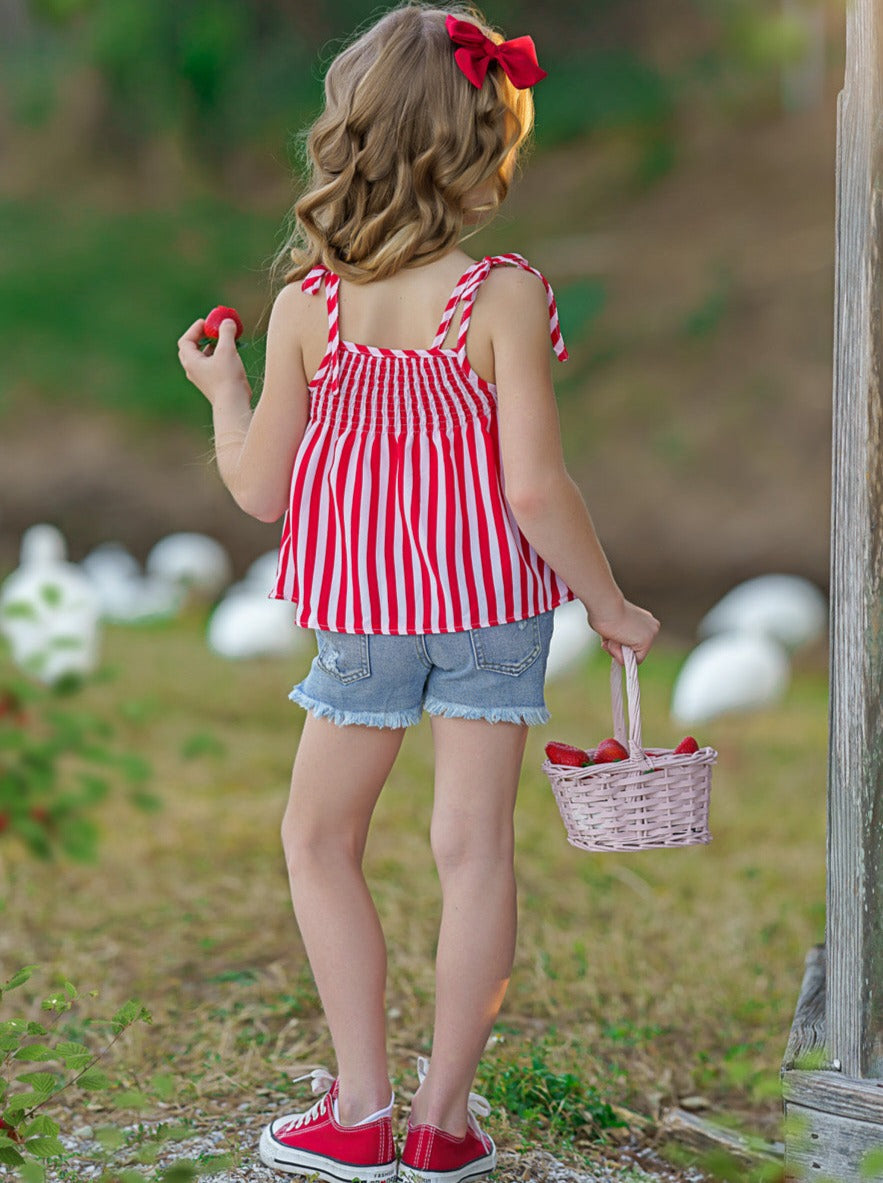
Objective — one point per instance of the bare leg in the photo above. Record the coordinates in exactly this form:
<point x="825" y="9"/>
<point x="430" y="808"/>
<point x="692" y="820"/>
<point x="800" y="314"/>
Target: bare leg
<point x="337" y="777"/>
<point x="476" y="780"/>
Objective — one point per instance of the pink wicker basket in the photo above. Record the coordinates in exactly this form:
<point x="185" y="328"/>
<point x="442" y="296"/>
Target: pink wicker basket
<point x="652" y="801"/>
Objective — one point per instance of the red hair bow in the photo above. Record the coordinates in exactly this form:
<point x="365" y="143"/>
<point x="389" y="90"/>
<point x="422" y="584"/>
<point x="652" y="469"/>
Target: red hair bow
<point x="518" y="58"/>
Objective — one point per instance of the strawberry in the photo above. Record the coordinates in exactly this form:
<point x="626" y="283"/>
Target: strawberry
<point x="609" y="751"/>
<point x="211" y="327"/>
<point x="687" y="746"/>
<point x="565" y="753"/>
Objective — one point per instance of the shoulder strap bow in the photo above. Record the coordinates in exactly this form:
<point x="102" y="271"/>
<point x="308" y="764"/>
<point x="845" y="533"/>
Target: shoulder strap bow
<point x="517" y="58"/>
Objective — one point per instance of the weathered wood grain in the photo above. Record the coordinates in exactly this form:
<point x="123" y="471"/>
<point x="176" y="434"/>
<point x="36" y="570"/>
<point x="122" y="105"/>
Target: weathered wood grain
<point x="807" y="1038"/>
<point x="837" y="1095"/>
<point x="834" y="1117"/>
<point x="829" y="1147"/>
<point x="854" y="996"/>
<point x="701" y="1134"/>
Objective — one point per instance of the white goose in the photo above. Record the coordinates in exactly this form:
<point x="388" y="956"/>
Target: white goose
<point x="49" y="610"/>
<point x="787" y="608"/>
<point x="730" y="672"/>
<point x="246" y="623"/>
<point x="192" y="561"/>
<point x="127" y="596"/>
<point x="572" y="640"/>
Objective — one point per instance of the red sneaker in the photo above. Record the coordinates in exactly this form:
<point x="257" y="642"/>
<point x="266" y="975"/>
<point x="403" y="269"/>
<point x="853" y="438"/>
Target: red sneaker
<point x="434" y="1156"/>
<point x="314" y="1144"/>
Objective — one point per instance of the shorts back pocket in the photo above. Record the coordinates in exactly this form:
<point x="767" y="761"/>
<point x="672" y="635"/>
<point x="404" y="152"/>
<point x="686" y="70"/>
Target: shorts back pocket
<point x="507" y="648"/>
<point x="343" y="656"/>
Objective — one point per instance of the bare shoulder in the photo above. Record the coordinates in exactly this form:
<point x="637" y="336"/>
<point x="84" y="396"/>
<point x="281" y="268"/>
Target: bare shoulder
<point x="299" y="322"/>
<point x="293" y="305"/>
<point x="515" y="291"/>
<point x="512" y="303"/>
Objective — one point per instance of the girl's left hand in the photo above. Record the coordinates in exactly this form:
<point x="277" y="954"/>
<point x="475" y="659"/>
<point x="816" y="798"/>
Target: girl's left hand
<point x="216" y="370"/>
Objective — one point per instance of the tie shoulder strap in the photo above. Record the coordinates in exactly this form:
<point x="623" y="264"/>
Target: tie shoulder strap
<point x="312" y="284"/>
<point x="475" y="277"/>
<point x="451" y="306"/>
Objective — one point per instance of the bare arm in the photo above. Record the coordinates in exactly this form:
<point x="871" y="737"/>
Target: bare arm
<point x="546" y="502"/>
<point x="255" y="450"/>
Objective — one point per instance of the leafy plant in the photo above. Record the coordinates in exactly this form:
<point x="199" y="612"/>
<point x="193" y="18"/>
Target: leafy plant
<point x="29" y="1137"/>
<point x="56" y="766"/>
<point x="26" y="1134"/>
<point x="548" y="1104"/>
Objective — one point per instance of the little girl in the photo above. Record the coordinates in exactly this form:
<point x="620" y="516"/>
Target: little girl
<point x="407" y="430"/>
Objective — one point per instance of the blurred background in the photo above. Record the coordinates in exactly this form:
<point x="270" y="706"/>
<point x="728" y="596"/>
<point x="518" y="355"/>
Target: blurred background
<point x="679" y="195"/>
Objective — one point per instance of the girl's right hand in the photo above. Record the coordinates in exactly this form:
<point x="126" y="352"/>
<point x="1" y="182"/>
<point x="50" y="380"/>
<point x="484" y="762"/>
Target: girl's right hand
<point x="215" y="369"/>
<point x="630" y="625"/>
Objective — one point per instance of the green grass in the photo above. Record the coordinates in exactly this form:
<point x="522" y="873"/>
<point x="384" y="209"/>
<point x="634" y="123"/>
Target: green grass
<point x="639" y="978"/>
<point x="92" y="301"/>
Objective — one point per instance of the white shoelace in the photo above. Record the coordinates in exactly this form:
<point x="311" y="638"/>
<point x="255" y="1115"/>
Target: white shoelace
<point x="476" y="1105"/>
<point x="321" y="1081"/>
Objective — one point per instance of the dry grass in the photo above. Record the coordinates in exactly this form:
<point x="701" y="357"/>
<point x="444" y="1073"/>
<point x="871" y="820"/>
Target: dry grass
<point x="652" y="975"/>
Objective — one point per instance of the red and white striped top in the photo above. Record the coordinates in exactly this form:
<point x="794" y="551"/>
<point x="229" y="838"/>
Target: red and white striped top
<point x="397" y="521"/>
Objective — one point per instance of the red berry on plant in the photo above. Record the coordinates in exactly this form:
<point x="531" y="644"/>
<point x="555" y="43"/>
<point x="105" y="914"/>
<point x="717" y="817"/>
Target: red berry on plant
<point x="211" y="327"/>
<point x="11" y="706"/>
<point x="609" y="751"/>
<point x="687" y="746"/>
<point x="567" y="754"/>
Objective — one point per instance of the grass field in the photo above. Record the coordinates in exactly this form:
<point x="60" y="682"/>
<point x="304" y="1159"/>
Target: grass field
<point x="649" y="976"/>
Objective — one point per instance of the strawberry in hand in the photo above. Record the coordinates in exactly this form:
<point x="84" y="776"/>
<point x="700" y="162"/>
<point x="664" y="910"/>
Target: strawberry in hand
<point x="211" y="328"/>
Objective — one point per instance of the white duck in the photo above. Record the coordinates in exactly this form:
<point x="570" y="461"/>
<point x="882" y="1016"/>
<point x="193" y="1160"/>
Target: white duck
<point x="730" y="672"/>
<point x="572" y="639"/>
<point x="262" y="572"/>
<point x="49" y="610"/>
<point x="248" y="624"/>
<point x="193" y="561"/>
<point x="787" y="608"/>
<point x="127" y="596"/>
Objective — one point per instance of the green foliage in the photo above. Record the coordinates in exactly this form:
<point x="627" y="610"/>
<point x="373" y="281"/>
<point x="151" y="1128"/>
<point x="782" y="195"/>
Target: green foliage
<point x="707" y="316"/>
<point x="57" y="765"/>
<point x="871" y="1166"/>
<point x="608" y="90"/>
<point x="26" y="1135"/>
<point x="579" y="305"/>
<point x="162" y="66"/>
<point x="548" y="1105"/>
<point x="725" y="1167"/>
<point x="29" y="1138"/>
<point x="759" y="39"/>
<point x="103" y="321"/>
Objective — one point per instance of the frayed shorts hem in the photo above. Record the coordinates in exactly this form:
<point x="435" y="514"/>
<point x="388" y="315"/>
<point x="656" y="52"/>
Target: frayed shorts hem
<point x="392" y="719"/>
<point x="530" y="716"/>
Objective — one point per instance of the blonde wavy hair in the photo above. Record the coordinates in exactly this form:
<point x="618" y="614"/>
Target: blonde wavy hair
<point x="407" y="152"/>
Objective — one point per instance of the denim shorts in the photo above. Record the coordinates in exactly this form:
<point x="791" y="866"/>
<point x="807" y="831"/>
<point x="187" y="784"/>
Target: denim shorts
<point x="495" y="673"/>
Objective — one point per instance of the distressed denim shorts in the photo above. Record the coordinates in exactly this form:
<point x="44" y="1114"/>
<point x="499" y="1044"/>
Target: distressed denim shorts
<point x="495" y="673"/>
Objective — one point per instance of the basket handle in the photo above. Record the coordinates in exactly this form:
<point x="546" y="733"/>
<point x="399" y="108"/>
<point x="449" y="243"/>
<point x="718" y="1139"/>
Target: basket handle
<point x="633" y="691"/>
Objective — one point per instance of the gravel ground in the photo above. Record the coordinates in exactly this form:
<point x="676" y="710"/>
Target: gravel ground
<point x="632" y="1164"/>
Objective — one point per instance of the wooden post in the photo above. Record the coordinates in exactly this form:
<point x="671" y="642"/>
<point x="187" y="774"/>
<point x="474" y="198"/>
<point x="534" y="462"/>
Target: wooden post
<point x="833" y="1069"/>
